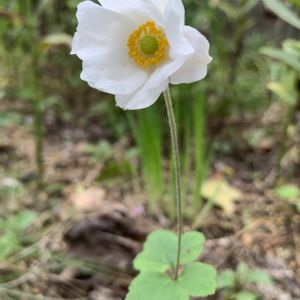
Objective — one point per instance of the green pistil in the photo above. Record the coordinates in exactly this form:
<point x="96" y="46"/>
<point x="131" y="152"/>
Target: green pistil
<point x="149" y="44"/>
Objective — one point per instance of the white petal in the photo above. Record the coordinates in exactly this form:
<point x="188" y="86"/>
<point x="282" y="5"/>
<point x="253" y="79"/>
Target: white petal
<point x="174" y="26"/>
<point x="195" y="67"/>
<point x="99" y="29"/>
<point x="114" y="78"/>
<point x="159" y="10"/>
<point x="152" y="11"/>
<point x="101" y="43"/>
<point x="175" y="8"/>
<point x="131" y="8"/>
<point x="120" y="5"/>
<point x="154" y="86"/>
<point x="163" y="72"/>
<point x="161" y="5"/>
<point x="169" y="14"/>
<point x="143" y="98"/>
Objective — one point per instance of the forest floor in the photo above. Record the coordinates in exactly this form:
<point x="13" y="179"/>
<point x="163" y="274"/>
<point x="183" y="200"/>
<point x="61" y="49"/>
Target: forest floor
<point x="87" y="233"/>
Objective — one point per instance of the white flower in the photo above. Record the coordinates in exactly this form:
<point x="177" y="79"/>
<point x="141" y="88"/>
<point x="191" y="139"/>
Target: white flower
<point x="135" y="48"/>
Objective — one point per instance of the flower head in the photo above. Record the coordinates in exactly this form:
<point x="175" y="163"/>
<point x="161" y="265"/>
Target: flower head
<point x="135" y="48"/>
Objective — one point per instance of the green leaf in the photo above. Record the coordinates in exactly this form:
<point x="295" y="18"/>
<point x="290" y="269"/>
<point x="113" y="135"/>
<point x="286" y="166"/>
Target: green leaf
<point x="283" y="11"/>
<point x="100" y="151"/>
<point x="192" y="246"/>
<point x="288" y="57"/>
<point x="292" y="46"/>
<point x="295" y="2"/>
<point x="23" y="220"/>
<point x="242" y="272"/>
<point x="285" y="87"/>
<point x="197" y="280"/>
<point x="114" y="169"/>
<point x="234" y="11"/>
<point x="226" y="279"/>
<point x="9" y="243"/>
<point x="259" y="277"/>
<point x="242" y="269"/>
<point x="160" y="250"/>
<point x="288" y="192"/>
<point x="155" y="286"/>
<point x="9" y="118"/>
<point x="148" y="262"/>
<point x="159" y="255"/>
<point x="245" y="295"/>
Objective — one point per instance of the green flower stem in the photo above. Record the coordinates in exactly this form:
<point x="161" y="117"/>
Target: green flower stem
<point x="176" y="159"/>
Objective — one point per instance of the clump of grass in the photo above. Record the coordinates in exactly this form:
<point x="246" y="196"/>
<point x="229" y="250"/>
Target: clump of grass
<point x="147" y="132"/>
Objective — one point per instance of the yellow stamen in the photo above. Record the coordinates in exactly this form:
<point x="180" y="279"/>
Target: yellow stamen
<point x="147" y="45"/>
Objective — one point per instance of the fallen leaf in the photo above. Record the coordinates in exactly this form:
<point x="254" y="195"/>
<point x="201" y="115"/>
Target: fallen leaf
<point x="221" y="193"/>
<point x="87" y="200"/>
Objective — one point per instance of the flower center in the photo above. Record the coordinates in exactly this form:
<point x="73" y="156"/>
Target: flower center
<point x="147" y="45"/>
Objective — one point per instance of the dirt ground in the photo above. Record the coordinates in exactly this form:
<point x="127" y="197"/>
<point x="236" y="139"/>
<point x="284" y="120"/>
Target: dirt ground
<point x="88" y="232"/>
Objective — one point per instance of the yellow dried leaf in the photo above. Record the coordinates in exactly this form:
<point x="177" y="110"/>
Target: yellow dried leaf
<point x="221" y="193"/>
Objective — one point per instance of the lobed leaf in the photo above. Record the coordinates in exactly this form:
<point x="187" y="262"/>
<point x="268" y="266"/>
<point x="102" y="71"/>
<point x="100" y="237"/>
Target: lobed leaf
<point x="160" y="250"/>
<point x="197" y="280"/>
<point x="192" y="246"/>
<point x="155" y="286"/>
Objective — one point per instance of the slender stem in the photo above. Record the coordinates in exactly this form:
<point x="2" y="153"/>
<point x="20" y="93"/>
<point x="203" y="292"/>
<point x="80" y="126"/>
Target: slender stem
<point x="176" y="159"/>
